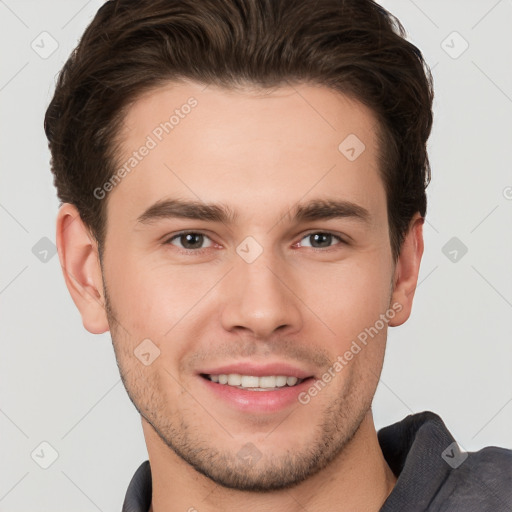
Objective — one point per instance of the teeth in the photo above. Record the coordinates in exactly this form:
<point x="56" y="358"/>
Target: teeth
<point x="251" y="381"/>
<point x="234" y="379"/>
<point x="267" y="382"/>
<point x="291" y="381"/>
<point x="281" y="381"/>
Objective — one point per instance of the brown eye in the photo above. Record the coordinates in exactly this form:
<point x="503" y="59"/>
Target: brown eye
<point x="190" y="241"/>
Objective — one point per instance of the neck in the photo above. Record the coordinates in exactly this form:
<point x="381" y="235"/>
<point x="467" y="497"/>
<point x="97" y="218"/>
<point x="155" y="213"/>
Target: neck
<point x="358" y="479"/>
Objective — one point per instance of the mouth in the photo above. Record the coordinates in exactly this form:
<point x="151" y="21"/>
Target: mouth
<point x="254" y="382"/>
<point x="253" y="387"/>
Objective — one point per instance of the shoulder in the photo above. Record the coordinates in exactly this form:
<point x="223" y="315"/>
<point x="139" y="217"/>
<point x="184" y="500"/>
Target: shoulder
<point x="482" y="482"/>
<point x="434" y="475"/>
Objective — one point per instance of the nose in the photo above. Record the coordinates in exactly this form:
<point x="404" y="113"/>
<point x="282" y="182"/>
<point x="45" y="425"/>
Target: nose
<point x="259" y="298"/>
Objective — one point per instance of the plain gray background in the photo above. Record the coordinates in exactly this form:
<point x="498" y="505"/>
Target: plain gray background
<point x="60" y="384"/>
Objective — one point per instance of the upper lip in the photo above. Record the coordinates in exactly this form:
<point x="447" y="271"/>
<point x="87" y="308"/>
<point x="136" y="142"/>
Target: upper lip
<point x="258" y="370"/>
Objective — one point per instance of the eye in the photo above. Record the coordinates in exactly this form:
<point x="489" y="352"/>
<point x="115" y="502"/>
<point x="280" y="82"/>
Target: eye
<point x="320" y="240"/>
<point x="190" y="240"/>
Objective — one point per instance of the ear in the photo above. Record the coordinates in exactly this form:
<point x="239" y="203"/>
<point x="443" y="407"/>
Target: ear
<point x="78" y="255"/>
<point x="407" y="269"/>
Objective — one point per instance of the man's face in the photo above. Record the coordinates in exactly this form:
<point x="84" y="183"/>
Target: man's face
<point x="268" y="293"/>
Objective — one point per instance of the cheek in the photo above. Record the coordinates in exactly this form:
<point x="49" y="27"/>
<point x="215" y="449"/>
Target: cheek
<point x="351" y="295"/>
<point x="151" y="298"/>
<point x="169" y="305"/>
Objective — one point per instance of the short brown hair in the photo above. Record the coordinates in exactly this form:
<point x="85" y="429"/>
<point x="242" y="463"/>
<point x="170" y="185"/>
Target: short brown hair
<point x="355" y="47"/>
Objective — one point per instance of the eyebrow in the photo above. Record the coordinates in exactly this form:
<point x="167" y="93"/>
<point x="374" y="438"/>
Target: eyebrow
<point x="318" y="209"/>
<point x="180" y="209"/>
<point x="330" y="209"/>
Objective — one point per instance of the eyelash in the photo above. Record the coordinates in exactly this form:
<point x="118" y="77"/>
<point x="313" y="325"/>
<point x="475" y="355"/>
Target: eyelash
<point x="201" y="250"/>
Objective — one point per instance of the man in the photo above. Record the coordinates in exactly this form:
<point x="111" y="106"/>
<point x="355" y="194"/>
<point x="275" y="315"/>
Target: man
<point x="243" y="193"/>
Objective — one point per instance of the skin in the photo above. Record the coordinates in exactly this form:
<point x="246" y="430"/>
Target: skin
<point x="260" y="154"/>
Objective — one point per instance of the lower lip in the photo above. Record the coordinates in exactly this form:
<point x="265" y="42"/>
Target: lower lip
<point x="258" y="401"/>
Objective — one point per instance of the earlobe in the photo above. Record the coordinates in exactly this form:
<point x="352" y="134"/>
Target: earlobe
<point x="407" y="270"/>
<point x="80" y="265"/>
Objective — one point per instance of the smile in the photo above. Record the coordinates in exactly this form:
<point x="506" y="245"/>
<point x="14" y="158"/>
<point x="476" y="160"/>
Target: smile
<point x="253" y="382"/>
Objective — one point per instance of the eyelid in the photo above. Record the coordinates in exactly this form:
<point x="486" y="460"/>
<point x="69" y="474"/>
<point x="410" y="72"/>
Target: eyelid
<point x="340" y="237"/>
<point x="168" y="239"/>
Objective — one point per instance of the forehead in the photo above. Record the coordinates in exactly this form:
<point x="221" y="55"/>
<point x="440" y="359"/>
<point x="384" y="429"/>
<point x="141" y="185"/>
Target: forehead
<point x="246" y="146"/>
<point x="325" y="111"/>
